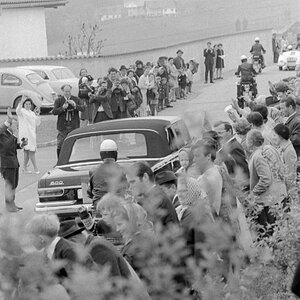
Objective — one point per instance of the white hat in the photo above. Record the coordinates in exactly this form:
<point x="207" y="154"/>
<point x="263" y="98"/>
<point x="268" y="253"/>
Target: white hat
<point x="290" y="47"/>
<point x="108" y="145"/>
<point x="257" y="39"/>
<point x="243" y="57"/>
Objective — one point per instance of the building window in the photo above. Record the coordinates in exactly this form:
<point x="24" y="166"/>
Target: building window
<point x="11" y="80"/>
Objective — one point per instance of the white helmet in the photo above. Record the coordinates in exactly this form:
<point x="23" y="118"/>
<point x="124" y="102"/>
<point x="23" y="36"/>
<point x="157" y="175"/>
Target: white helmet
<point x="243" y="57"/>
<point x="290" y="47"/>
<point x="257" y="39"/>
<point x="108" y="145"/>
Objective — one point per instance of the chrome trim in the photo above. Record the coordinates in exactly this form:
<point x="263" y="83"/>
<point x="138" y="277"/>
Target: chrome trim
<point x="62" y="209"/>
<point x="118" y="161"/>
<point x="60" y="187"/>
<point x="108" y="131"/>
<point x="55" y="203"/>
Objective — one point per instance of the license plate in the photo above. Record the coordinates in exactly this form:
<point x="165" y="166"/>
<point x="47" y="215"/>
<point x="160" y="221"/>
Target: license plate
<point x="292" y="59"/>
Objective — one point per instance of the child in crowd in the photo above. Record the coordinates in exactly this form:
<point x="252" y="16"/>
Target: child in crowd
<point x="164" y="83"/>
<point x="189" y="75"/>
<point x="186" y="161"/>
<point x="182" y="82"/>
<point x="161" y="93"/>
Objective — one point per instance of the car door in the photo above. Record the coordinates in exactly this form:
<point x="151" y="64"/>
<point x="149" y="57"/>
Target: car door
<point x="10" y="85"/>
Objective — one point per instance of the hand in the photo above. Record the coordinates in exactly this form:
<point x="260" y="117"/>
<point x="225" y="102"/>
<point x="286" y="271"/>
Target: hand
<point x="37" y="111"/>
<point x="65" y="106"/>
<point x="24" y="142"/>
<point x="72" y="103"/>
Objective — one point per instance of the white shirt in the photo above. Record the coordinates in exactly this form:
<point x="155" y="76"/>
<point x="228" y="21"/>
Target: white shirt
<point x="49" y="251"/>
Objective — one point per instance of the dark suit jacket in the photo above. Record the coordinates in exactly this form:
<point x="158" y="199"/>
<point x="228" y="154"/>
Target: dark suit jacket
<point x="62" y="113"/>
<point x="159" y="207"/>
<point x="178" y="62"/>
<point x="209" y="55"/>
<point x="103" y="99"/>
<point x="8" y="149"/>
<point x="293" y="124"/>
<point x="104" y="253"/>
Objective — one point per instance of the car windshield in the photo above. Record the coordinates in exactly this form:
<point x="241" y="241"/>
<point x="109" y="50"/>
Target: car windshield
<point x="130" y="145"/>
<point x="34" y="78"/>
<point x="63" y="73"/>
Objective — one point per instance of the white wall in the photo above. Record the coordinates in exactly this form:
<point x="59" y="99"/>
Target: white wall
<point x="23" y="33"/>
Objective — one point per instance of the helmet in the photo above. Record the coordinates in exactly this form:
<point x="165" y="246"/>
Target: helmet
<point x="243" y="57"/>
<point x="257" y="39"/>
<point x="290" y="47"/>
<point x="108" y="145"/>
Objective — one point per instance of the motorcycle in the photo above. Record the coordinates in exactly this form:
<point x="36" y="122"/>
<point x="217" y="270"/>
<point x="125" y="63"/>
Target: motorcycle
<point x="246" y="91"/>
<point x="257" y="63"/>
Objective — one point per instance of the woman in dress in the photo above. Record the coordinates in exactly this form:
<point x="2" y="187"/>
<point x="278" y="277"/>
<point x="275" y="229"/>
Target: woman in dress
<point x="219" y="61"/>
<point x="28" y="121"/>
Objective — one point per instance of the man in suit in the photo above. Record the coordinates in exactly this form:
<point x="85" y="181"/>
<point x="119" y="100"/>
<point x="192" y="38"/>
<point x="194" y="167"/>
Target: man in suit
<point x="178" y="60"/>
<point x="275" y="47"/>
<point x="231" y="151"/>
<point x="157" y="204"/>
<point x="67" y="109"/>
<point x="209" y="55"/>
<point x="102" y="109"/>
<point x="43" y="230"/>
<point x="9" y="165"/>
<point x="289" y="110"/>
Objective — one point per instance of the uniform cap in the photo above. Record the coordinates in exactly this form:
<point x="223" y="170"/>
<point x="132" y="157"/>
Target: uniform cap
<point x="257" y="39"/>
<point x="290" y="47"/>
<point x="243" y="57"/>
<point x="108" y="145"/>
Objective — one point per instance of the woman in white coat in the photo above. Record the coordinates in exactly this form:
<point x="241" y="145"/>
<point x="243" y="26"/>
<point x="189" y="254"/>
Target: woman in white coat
<point x="28" y="121"/>
<point x="144" y="85"/>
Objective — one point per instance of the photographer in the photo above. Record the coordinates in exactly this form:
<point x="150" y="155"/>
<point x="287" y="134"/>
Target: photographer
<point x="102" y="109"/>
<point x="118" y="103"/>
<point x="67" y="109"/>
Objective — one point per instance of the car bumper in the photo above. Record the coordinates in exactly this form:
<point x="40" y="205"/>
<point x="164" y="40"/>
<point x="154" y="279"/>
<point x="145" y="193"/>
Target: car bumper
<point x="60" y="207"/>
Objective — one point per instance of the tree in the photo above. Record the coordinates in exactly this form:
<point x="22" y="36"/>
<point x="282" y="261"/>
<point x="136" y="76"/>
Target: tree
<point x="85" y="42"/>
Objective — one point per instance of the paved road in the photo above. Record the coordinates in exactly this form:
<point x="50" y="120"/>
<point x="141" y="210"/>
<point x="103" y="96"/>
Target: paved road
<point x="210" y="98"/>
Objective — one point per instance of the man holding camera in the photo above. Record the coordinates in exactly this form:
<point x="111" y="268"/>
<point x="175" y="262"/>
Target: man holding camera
<point x="67" y="109"/>
<point x="9" y="167"/>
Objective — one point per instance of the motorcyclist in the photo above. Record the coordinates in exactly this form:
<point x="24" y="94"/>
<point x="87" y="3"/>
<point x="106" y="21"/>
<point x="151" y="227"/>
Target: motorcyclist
<point x="247" y="75"/>
<point x="258" y="49"/>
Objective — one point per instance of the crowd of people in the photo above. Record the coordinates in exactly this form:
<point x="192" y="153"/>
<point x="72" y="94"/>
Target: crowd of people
<point x="247" y="165"/>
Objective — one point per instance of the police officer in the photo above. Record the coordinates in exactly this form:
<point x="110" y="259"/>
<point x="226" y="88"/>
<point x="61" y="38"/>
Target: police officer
<point x="108" y="176"/>
<point x="247" y="75"/>
<point x="258" y="49"/>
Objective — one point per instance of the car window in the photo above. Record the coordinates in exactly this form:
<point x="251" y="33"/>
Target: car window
<point x="130" y="145"/>
<point x="178" y="135"/>
<point x="34" y="78"/>
<point x="63" y="73"/>
<point x="42" y="74"/>
<point x="11" y="80"/>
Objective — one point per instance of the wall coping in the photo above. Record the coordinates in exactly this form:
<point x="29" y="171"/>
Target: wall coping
<point x="63" y="57"/>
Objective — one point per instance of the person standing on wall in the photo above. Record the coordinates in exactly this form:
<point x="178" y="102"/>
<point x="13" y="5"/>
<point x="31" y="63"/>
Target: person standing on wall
<point x="209" y="62"/>
<point x="67" y="109"/>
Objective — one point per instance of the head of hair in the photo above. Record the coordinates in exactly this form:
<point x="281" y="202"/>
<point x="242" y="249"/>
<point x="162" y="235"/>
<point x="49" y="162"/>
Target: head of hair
<point x="112" y="69"/>
<point x="189" y="154"/>
<point x="46" y="224"/>
<point x="170" y="58"/>
<point x="142" y="168"/>
<point x="242" y="126"/>
<point x="255" y="118"/>
<point x="208" y="146"/>
<point x="263" y="110"/>
<point x="66" y="85"/>
<point x="81" y="70"/>
<point x="289" y="101"/>
<point x="255" y="138"/>
<point x="282" y="130"/>
<point x="110" y="202"/>
<point x="28" y="100"/>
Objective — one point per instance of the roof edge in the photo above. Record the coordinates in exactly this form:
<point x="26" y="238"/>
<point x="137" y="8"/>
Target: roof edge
<point x="30" y="4"/>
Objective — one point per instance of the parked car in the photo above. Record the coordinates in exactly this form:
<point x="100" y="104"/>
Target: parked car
<point x="17" y="82"/>
<point x="156" y="140"/>
<point x="288" y="60"/>
<point x="56" y="76"/>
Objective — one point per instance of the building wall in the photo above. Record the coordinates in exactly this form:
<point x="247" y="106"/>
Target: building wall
<point x="234" y="46"/>
<point x="17" y="27"/>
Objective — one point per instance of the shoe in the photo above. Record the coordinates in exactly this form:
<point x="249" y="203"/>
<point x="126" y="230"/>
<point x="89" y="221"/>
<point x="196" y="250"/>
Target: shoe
<point x="169" y="105"/>
<point x="211" y="82"/>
